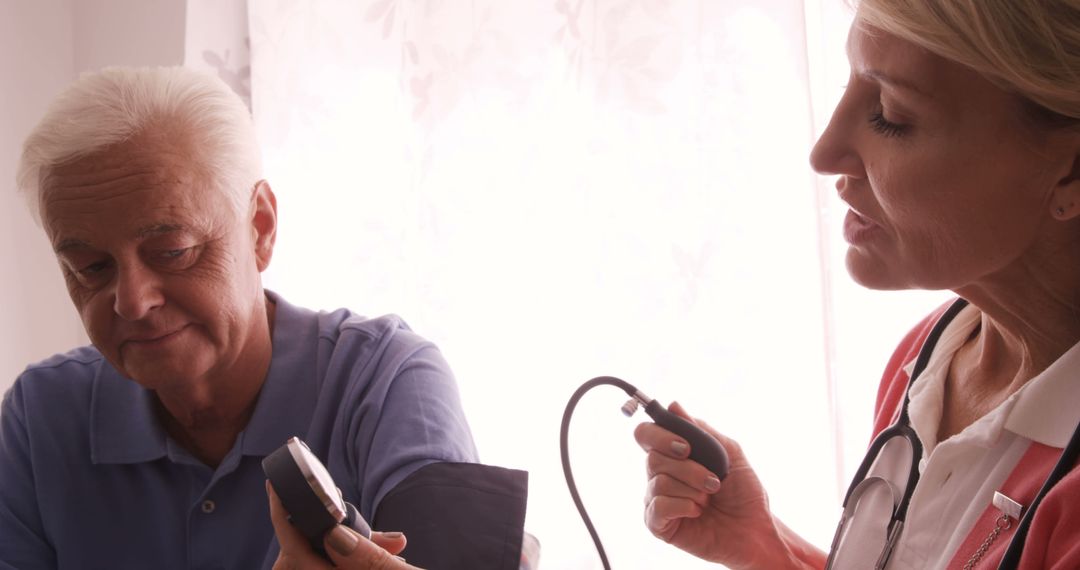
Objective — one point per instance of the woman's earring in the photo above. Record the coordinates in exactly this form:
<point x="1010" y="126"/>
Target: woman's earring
<point x="1059" y="212"/>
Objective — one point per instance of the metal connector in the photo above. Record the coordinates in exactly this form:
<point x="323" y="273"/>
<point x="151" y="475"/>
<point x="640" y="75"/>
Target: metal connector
<point x="632" y="404"/>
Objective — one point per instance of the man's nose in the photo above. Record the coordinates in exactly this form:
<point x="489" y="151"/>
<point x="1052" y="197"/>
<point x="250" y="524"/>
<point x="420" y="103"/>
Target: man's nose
<point x="138" y="291"/>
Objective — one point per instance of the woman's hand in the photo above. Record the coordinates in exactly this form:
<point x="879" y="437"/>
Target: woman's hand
<point x="345" y="547"/>
<point x="727" y="522"/>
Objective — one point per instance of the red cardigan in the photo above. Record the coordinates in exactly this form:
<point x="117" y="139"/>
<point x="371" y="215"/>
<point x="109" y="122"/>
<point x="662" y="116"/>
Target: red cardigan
<point x="1053" y="541"/>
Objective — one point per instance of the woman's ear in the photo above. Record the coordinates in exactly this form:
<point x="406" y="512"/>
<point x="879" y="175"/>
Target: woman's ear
<point x="263" y="223"/>
<point x="1065" y="200"/>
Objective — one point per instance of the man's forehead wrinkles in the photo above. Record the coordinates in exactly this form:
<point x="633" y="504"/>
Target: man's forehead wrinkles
<point x="158" y="229"/>
<point x="94" y="178"/>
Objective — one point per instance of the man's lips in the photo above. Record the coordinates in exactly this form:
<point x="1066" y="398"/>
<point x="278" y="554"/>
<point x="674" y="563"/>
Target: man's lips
<point x="149" y="338"/>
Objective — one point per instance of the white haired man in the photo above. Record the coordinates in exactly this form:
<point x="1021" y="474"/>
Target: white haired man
<point x="144" y="450"/>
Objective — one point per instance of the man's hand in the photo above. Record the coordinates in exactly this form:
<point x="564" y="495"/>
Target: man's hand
<point x="345" y="547"/>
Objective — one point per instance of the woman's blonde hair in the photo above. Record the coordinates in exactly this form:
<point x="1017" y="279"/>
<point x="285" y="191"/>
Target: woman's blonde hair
<point x="1029" y="47"/>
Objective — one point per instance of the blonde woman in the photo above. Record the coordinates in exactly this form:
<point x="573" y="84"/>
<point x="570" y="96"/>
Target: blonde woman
<point x="957" y="147"/>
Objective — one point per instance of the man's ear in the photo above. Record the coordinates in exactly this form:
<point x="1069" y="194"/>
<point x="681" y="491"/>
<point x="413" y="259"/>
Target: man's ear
<point x="263" y="223"/>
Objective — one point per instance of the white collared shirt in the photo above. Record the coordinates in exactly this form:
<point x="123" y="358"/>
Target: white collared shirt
<point x="959" y="475"/>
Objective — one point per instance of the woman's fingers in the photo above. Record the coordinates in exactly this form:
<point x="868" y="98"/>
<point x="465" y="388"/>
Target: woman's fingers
<point x="289" y="538"/>
<point x="664" y="485"/>
<point x="345" y="547"/>
<point x="690" y="473"/>
<point x="732" y="447"/>
<point x="296" y="551"/>
<point x="663" y="515"/>
<point x="392" y="542"/>
<point x="677" y="409"/>
<point x="350" y="551"/>
<point x="652" y="437"/>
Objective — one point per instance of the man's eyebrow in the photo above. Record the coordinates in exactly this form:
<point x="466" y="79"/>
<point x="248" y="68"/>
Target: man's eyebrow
<point x="142" y="233"/>
<point x="69" y="243"/>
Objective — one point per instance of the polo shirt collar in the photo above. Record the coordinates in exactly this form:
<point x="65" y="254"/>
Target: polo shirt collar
<point x="123" y="421"/>
<point x="123" y="424"/>
<point x="284" y="409"/>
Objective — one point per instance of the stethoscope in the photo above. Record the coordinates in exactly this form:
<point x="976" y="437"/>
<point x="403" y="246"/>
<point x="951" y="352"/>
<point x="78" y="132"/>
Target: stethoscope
<point x="901" y="433"/>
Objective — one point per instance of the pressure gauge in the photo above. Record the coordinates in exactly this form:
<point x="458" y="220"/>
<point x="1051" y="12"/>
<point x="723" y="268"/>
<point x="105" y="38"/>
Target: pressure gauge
<point x="309" y="494"/>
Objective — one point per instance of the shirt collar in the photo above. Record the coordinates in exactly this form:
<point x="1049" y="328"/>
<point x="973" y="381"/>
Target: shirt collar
<point x="1048" y="407"/>
<point x="123" y="421"/>
<point x="288" y="396"/>
<point x="1045" y="410"/>
<point x="927" y="392"/>
<point x="123" y="425"/>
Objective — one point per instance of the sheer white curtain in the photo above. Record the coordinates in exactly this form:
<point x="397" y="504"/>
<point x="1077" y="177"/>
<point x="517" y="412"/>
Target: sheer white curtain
<point x="562" y="189"/>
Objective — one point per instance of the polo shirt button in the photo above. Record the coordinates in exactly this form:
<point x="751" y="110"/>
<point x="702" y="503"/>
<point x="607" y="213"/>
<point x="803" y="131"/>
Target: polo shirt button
<point x="208" y="506"/>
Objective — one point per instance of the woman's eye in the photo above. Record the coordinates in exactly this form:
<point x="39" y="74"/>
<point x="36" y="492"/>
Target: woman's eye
<point x="173" y="253"/>
<point x="883" y="126"/>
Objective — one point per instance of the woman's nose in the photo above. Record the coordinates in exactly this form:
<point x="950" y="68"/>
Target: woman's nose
<point x="835" y="151"/>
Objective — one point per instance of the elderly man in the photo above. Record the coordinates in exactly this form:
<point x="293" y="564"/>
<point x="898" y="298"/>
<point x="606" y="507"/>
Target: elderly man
<point x="144" y="450"/>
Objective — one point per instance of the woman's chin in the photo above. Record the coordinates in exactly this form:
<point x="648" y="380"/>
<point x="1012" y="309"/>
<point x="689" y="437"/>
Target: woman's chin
<point x="873" y="273"/>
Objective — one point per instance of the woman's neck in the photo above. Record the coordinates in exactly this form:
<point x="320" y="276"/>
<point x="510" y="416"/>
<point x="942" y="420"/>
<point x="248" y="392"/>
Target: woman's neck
<point x="1022" y="330"/>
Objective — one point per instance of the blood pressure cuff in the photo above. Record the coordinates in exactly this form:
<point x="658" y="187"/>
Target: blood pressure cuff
<point x="458" y="516"/>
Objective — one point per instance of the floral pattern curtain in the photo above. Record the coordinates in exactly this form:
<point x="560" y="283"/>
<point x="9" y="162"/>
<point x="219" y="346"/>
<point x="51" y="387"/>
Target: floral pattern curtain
<point x="553" y="190"/>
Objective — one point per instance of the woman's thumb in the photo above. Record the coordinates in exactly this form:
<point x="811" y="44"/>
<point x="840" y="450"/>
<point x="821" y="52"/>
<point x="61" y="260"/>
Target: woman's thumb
<point x="392" y="542"/>
<point x="349" y="550"/>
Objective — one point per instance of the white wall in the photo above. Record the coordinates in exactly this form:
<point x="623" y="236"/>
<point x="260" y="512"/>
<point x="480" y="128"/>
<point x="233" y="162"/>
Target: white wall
<point x="128" y="32"/>
<point x="44" y="44"/>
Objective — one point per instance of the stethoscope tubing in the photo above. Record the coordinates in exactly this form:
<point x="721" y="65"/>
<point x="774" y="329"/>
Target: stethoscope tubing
<point x="902" y="427"/>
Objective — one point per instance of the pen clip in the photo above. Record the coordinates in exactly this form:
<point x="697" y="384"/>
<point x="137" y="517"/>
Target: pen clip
<point x="1007" y="506"/>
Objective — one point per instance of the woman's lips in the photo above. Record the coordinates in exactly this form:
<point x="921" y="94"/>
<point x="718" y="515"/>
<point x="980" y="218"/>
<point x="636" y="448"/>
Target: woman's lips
<point x="858" y="229"/>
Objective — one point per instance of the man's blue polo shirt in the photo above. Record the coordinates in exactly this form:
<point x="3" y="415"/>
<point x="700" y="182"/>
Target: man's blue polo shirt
<point x="89" y="478"/>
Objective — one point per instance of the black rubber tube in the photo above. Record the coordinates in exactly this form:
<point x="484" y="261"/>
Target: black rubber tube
<point x="564" y="447"/>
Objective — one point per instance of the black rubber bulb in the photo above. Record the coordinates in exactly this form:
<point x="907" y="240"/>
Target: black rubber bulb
<point x="703" y="447"/>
